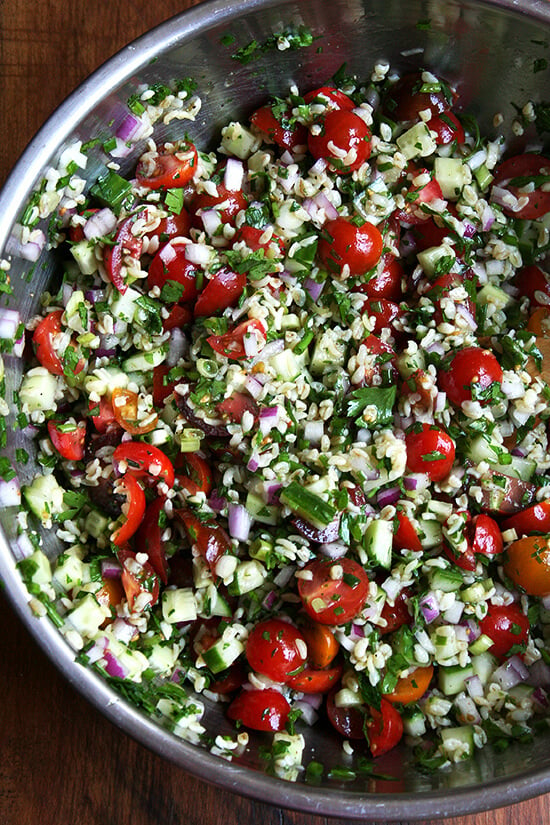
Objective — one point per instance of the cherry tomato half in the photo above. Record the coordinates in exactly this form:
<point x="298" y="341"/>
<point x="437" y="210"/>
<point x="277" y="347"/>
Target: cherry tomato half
<point x="342" y="138"/>
<point x="527" y="564"/>
<point x="405" y="536"/>
<point x="138" y="579"/>
<point x="170" y="266"/>
<point x="102" y="414"/>
<point x="535" y="519"/>
<point x="336" y="592"/>
<point x="521" y="174"/>
<point x="384" y="728"/>
<point x="223" y="290"/>
<point x="322" y="646"/>
<point x="330" y="97"/>
<point x="469" y="375"/>
<point x="430" y="450"/>
<point x="169" y="169"/>
<point x="276" y="649"/>
<point x="418" y="195"/>
<point x="227" y="202"/>
<point x="397" y="614"/>
<point x="534" y="283"/>
<point x="448" y="129"/>
<point x="379" y="366"/>
<point x="126" y="244"/>
<point x="260" y="709"/>
<point x="411" y="688"/>
<point x="125" y="410"/>
<point x="386" y="281"/>
<point x="210" y="539"/>
<point x="232" y="343"/>
<point x="311" y="680"/>
<point x="44" y="340"/>
<point x="344" y="243"/>
<point x="148" y="538"/>
<point x="508" y="627"/>
<point x="134" y="508"/>
<point x="145" y="461"/>
<point x="280" y="128"/>
<point x="410" y="95"/>
<point x="194" y="473"/>
<point x="68" y="438"/>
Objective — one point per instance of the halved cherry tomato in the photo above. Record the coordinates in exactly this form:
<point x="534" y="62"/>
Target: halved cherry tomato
<point x="397" y="614"/>
<point x="276" y="649"/>
<point x="229" y="681"/>
<point x="418" y="195"/>
<point x="379" y="366"/>
<point x="322" y="647"/>
<point x="386" y="281"/>
<point x="535" y="519"/>
<point x="148" y="538"/>
<point x="405" y="536"/>
<point x="43" y="340"/>
<point x="162" y="386"/>
<point x="211" y="540"/>
<point x="232" y="343"/>
<point x="410" y="95"/>
<point x="223" y="290"/>
<point x="252" y="237"/>
<point x="330" y="97"/>
<point x="411" y="688"/>
<point x="134" y="509"/>
<point x="171" y="267"/>
<point x="145" y="461"/>
<point x="138" y="579"/>
<point x="508" y="627"/>
<point x="126" y="243"/>
<point x="68" y="438"/>
<point x="227" y="202"/>
<point x="197" y="472"/>
<point x="102" y="414"/>
<point x="384" y="312"/>
<point x="344" y="243"/>
<point x="178" y="316"/>
<point x="430" y="450"/>
<point x="280" y="128"/>
<point x="260" y="709"/>
<point x="234" y="407"/>
<point x="523" y="176"/>
<point x="469" y="375"/>
<point x="448" y="129"/>
<point x="172" y="226"/>
<point x="344" y="140"/>
<point x="337" y="600"/>
<point x="171" y="169"/>
<point x="311" y="680"/>
<point x="349" y="721"/>
<point x="534" y="283"/>
<point x="125" y="411"/>
<point x="110" y="594"/>
<point x="384" y="728"/>
<point x="527" y="564"/>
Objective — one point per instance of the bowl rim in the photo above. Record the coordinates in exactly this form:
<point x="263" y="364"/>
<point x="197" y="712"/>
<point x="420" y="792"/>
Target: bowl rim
<point x="335" y="802"/>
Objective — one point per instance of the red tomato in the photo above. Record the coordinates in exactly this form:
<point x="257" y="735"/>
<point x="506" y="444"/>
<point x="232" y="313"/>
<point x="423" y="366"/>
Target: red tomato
<point x="527" y="564"/>
<point x="411" y="688"/>
<point x="179" y="316"/>
<point x="384" y="728"/>
<point x="279" y="128"/>
<point x="125" y="410"/>
<point x="483" y="538"/>
<point x="330" y="97"/>
<point x="276" y="649"/>
<point x="441" y="287"/>
<point x="406" y="537"/>
<point x="469" y="375"/>
<point x="145" y="461"/>
<point x="102" y="414"/>
<point x="251" y="235"/>
<point x="535" y="519"/>
<point x="210" y="539"/>
<point x="417" y="196"/>
<point x="171" y="169"/>
<point x="521" y="172"/>
<point x="348" y="721"/>
<point x="170" y="266"/>
<point x="137" y="578"/>
<point x="162" y="386"/>
<point x="310" y="680"/>
<point x="68" y="439"/>
<point x="45" y="345"/>
<point x="386" y="281"/>
<point x="344" y="140"/>
<point x="336" y="600"/>
<point x="230" y="681"/>
<point x="410" y="95"/>
<point x="381" y="366"/>
<point x="322" y="647"/>
<point x="343" y="243"/>
<point x="430" y="450"/>
<point x="427" y="233"/>
<point x="126" y="243"/>
<point x="232" y="343"/>
<point x="172" y="226"/>
<point x="260" y="709"/>
<point x="508" y="627"/>
<point x="384" y="313"/>
<point x="234" y="407"/>
<point x="223" y="290"/>
<point x="198" y="474"/>
<point x="448" y="129"/>
<point x="134" y="507"/>
<point x="534" y="283"/>
<point x="148" y="538"/>
<point x="396" y="614"/>
<point x="227" y="202"/>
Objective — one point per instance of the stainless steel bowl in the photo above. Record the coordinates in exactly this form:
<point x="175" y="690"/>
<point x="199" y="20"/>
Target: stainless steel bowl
<point x="488" y="48"/>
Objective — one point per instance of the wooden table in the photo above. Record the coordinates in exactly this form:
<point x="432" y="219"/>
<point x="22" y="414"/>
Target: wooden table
<point x="61" y="762"/>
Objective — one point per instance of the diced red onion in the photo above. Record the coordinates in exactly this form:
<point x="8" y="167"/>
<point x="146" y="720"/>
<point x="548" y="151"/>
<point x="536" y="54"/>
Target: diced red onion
<point x="287" y="182"/>
<point x="113" y="666"/>
<point x="10" y="492"/>
<point x="512" y="672"/>
<point x="253" y="386"/>
<point x="358" y="630"/>
<point x="487" y="218"/>
<point x="96" y="651"/>
<point x="333" y="550"/>
<point x="453" y="615"/>
<point x="440" y="401"/>
<point x="388" y="496"/>
<point x="410" y="482"/>
<point x="233" y="175"/>
<point x="322" y="202"/>
<point x="271" y="490"/>
<point x="239" y="522"/>
<point x="122" y="630"/>
<point x="100" y="224"/>
<point x="216" y="502"/>
<point x="503" y="197"/>
<point x="177" y="346"/>
<point x="472" y="629"/>
<point x="111" y="569"/>
<point x="269" y="600"/>
<point x="474" y="687"/>
<point x="286" y="158"/>
<point x="10" y="320"/>
<point x="197" y="253"/>
<point x="540" y="696"/>
<point x="251" y="345"/>
<point x="313" y="288"/>
<point x="268" y="419"/>
<point x="22" y="547"/>
<point x="319" y="167"/>
<point x="121" y="149"/>
<point x="284" y="576"/>
<point x="211" y="221"/>
<point x="94" y="295"/>
<point x="313" y="699"/>
<point x="392" y="588"/>
<point x="267" y="352"/>
<point x="539" y="674"/>
<point x="29" y="250"/>
<point x="429" y="607"/>
<point x="131" y="128"/>
<point x="462" y="309"/>
<point x="308" y="714"/>
<point x="469" y="229"/>
<point x="287" y="278"/>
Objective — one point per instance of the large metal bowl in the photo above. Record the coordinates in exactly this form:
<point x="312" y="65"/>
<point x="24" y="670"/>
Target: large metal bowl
<point x="490" y="50"/>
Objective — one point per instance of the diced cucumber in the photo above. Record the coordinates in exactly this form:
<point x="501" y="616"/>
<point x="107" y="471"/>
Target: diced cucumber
<point x="414" y="721"/>
<point x="88" y="615"/>
<point x="409" y="362"/>
<point x="104" y="380"/>
<point x="44" y="496"/>
<point x="483" y="448"/>
<point x="179" y="605"/>
<point x="145" y="361"/>
<point x="378" y="542"/>
<point x="123" y="306"/>
<point x="308" y="505"/>
<point x="329" y="353"/>
<point x="458" y="740"/>
<point x="38" y="569"/>
<point x="452" y="174"/>
<point x="346" y="698"/>
<point x="484" y="665"/>
<point x="445" y="642"/>
<point x="430" y="258"/>
<point x="523" y="468"/>
<point x="215" y="604"/>
<point x="483" y="176"/>
<point x="71" y="572"/>
<point x="84" y="254"/>
<point x="260" y="511"/>
<point x="521" y="692"/>
<point x="222" y="654"/>
<point x="492" y="294"/>
<point x="260" y="548"/>
<point x="96" y="523"/>
<point x="416" y="142"/>
<point x="447" y="579"/>
<point x="480" y="645"/>
<point x="429" y="533"/>
<point x="38" y="390"/>
<point x="287" y="365"/>
<point x="238" y="141"/>
<point x="452" y="679"/>
<point x="473" y="594"/>
<point x="301" y="254"/>
<point x="162" y="658"/>
<point x="249" y="575"/>
<point x="441" y="509"/>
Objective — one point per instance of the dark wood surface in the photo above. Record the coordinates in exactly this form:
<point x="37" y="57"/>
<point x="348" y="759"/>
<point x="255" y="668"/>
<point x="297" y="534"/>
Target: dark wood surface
<point x="61" y="762"/>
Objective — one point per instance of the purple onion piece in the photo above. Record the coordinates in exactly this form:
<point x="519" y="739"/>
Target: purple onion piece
<point x="239" y="522"/>
<point x="326" y="535"/>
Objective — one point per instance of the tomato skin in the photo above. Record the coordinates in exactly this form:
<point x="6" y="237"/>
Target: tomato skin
<point x="469" y="366"/>
<point x="531" y="280"/>
<point x="266" y="710"/>
<point x="70" y="445"/>
<point x="49" y="327"/>
<point x="137" y="578"/>
<point x="405" y="536"/>
<point x="125" y="410"/>
<point x="331" y="97"/>
<point x="333" y="601"/>
<point x="142" y="461"/>
<point x="234" y="407"/>
<point x="273" y="649"/>
<point x="211" y="540"/>
<point x="311" y="680"/>
<point x="223" y="290"/>
<point x="251" y="235"/>
<point x="322" y="647"/>
<point x="485" y="536"/>
<point x="396" y="614"/>
<point x="507" y="626"/>
<point x="172" y="169"/>
<point x="172" y="226"/>
<point x="171" y="266"/>
<point x="135" y="498"/>
<point x="285" y="133"/>
<point x="416" y="195"/>
<point x="534" y="519"/>
<point x="527" y="564"/>
<point x="348" y="721"/>
<point x="343" y="243"/>
<point x="126" y="243"/>
<point x="227" y="202"/>
<point x="344" y="130"/>
<point x="384" y="312"/>
<point x="427" y="439"/>
<point x="231" y="344"/>
<point x="148" y="538"/>
<point x="384" y="728"/>
<point x="229" y="681"/>
<point x="527" y="165"/>
<point x="197" y="472"/>
<point x="448" y="129"/>
<point x="404" y="100"/>
<point x="386" y="282"/>
<point x="411" y="688"/>
<point x="381" y="368"/>
<point x="104" y="415"/>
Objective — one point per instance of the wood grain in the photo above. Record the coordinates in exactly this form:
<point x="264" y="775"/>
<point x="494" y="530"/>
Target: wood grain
<point x="61" y="762"/>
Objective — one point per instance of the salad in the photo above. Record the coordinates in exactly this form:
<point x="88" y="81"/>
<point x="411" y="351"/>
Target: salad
<point x="290" y="401"/>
